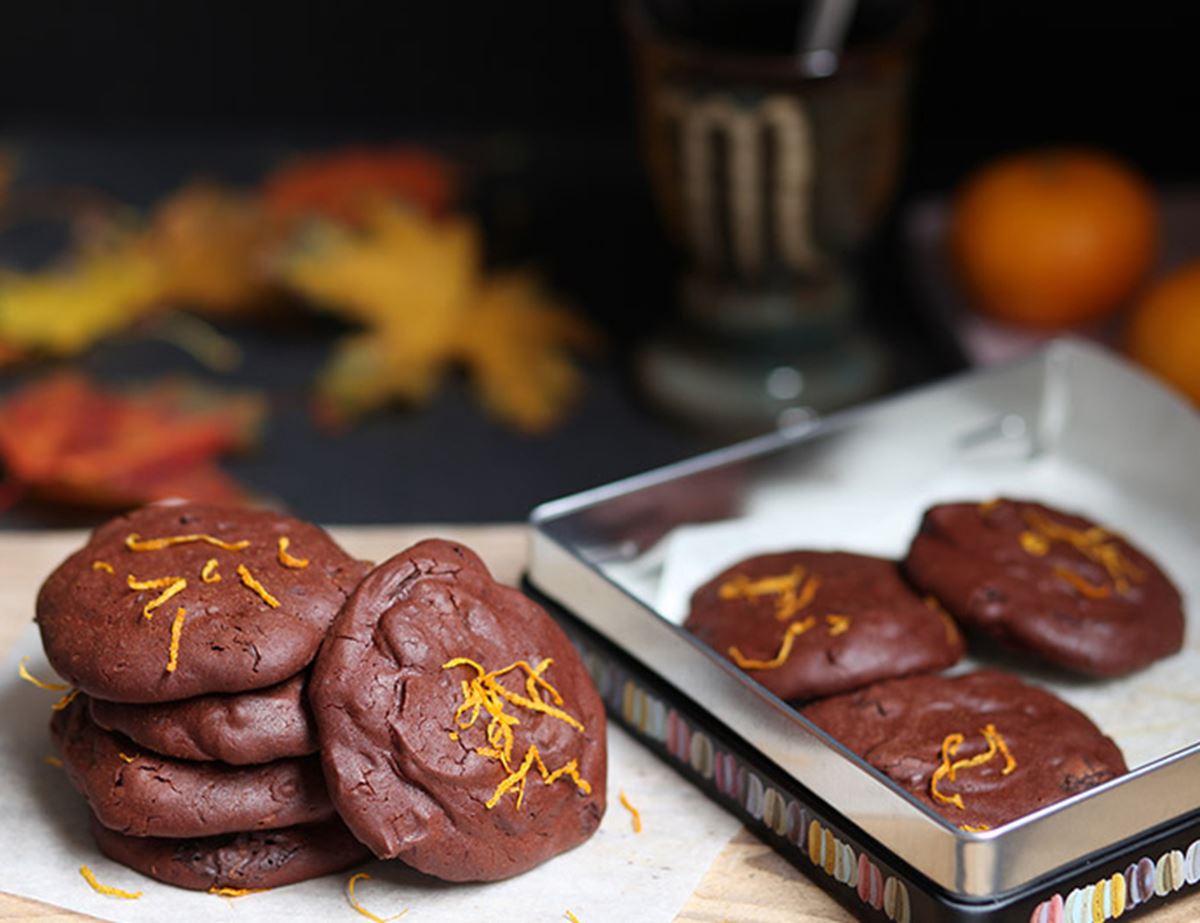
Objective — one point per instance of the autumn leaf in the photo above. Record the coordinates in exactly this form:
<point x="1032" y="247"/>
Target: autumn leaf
<point x="517" y="346"/>
<point x="63" y="439"/>
<point x="417" y="287"/>
<point x="347" y="185"/>
<point x="62" y="311"/>
<point x="409" y="281"/>
<point x="213" y="248"/>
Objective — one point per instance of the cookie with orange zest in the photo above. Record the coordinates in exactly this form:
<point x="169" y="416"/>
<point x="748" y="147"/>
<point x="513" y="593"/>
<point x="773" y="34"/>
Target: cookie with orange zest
<point x="808" y="624"/>
<point x="241" y="729"/>
<point x="459" y="729"/>
<point x="981" y="749"/>
<point x="1050" y="583"/>
<point x="251" y="620"/>
<point x="140" y="793"/>
<point x="240" y="862"/>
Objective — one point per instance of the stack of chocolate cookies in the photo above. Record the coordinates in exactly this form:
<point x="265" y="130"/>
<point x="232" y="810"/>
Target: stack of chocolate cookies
<point x="254" y="707"/>
<point x="855" y="641"/>
<point x="189" y="633"/>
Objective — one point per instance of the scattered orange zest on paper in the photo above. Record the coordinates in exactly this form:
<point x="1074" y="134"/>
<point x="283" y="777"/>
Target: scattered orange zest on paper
<point x="65" y="700"/>
<point x="249" y="580"/>
<point x="235" y="892"/>
<point x="355" y="879"/>
<point x="634" y="812"/>
<point x="90" y="877"/>
<point x="23" y="672"/>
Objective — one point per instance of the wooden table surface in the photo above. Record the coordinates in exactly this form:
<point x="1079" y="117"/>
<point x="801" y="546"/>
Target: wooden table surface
<point x="747" y="883"/>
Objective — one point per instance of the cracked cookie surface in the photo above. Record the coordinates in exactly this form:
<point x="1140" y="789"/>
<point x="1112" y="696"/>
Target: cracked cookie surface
<point x="981" y="749"/>
<point x="139" y="793"/>
<point x="143" y="614"/>
<point x="459" y="729"/>
<point x="808" y="624"/>
<point x="243" y="728"/>
<point x="258" y="859"/>
<point x="1048" y="582"/>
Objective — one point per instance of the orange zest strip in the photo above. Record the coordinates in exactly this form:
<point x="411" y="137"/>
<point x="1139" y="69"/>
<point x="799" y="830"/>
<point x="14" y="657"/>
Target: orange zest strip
<point x="53" y="760"/>
<point x="355" y="879"/>
<point x="23" y="672"/>
<point x="65" y="700"/>
<point x="484" y="693"/>
<point x="125" y="758"/>
<point x="974" y="828"/>
<point x="209" y="575"/>
<point x="174" y="585"/>
<point x="1082" y="584"/>
<point x="286" y="559"/>
<point x="135" y="542"/>
<point x="235" y="892"/>
<point x="176" y="632"/>
<point x="104" y="566"/>
<point x="90" y="877"/>
<point x="1034" y="544"/>
<point x="794" y="630"/>
<point x="793" y="590"/>
<point x="838" y="624"/>
<point x="248" y="580"/>
<point x="1094" y="543"/>
<point x="948" y="769"/>
<point x="988" y="505"/>
<point x="570" y="916"/>
<point x="634" y="812"/>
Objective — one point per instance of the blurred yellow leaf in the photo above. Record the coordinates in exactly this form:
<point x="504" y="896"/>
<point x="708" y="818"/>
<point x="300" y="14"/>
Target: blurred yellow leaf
<point x="213" y="247"/>
<point x="61" y="311"/>
<point x="417" y="286"/>
<point x="517" y="346"/>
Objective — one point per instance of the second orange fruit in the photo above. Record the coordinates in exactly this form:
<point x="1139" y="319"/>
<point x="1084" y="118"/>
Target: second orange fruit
<point x="1053" y="238"/>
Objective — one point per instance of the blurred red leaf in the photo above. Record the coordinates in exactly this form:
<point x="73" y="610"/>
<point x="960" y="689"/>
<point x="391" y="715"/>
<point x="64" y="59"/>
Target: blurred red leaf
<point x="63" y="439"/>
<point x="344" y="186"/>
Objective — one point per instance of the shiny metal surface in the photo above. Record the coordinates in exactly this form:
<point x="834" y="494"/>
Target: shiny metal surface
<point x="1072" y="400"/>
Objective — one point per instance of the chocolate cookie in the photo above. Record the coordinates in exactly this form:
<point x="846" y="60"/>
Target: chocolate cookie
<point x="180" y="600"/>
<point x="459" y="729"/>
<point x="813" y="623"/>
<point x="140" y="793"/>
<point x="981" y="749"/>
<point x="240" y="729"/>
<point x="261" y="859"/>
<point x="1047" y="582"/>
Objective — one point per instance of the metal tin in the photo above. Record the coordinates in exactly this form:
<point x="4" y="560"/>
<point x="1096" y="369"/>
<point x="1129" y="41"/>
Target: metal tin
<point x="1072" y="402"/>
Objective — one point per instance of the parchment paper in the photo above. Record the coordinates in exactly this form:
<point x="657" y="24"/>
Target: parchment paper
<point x="616" y="875"/>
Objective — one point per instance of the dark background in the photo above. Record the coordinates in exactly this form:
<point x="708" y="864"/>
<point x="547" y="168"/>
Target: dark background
<point x="134" y="97"/>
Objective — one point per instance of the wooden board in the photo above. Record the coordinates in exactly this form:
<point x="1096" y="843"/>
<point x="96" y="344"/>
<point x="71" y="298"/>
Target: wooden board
<point x="748" y="882"/>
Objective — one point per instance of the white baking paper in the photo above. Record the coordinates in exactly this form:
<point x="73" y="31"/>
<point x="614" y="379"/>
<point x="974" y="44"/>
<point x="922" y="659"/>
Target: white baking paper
<point x="616" y="875"/>
<point x="876" y="508"/>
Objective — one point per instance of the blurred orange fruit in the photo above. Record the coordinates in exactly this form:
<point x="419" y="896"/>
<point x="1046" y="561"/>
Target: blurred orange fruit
<point x="1052" y="238"/>
<point x="1164" y="332"/>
